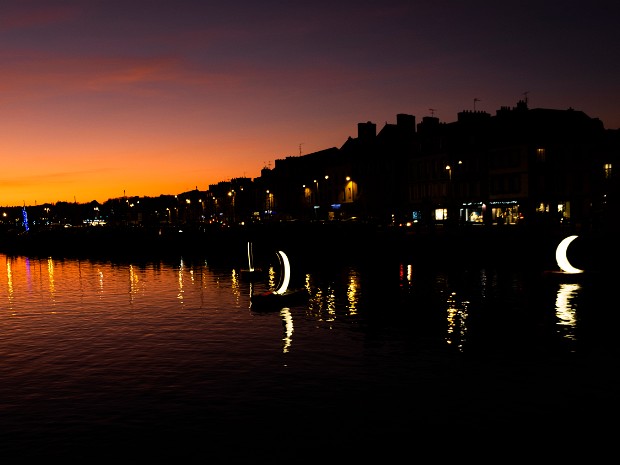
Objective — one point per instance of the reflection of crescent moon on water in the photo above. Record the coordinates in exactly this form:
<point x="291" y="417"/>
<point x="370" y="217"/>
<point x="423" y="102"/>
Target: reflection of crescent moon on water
<point x="562" y="259"/>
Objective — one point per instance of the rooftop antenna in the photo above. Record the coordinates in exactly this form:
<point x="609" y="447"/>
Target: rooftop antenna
<point x="432" y="110"/>
<point x="476" y="100"/>
<point x="300" y="148"/>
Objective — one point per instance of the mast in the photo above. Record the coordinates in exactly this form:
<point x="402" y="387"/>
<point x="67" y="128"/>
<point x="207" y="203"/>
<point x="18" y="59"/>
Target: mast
<point x="250" y="257"/>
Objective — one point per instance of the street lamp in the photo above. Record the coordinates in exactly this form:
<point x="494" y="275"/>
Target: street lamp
<point x="449" y="169"/>
<point x="326" y="192"/>
<point x="348" y="186"/>
<point x="451" y="189"/>
<point x="232" y="194"/>
<point x="269" y="201"/>
<point x="317" y="191"/>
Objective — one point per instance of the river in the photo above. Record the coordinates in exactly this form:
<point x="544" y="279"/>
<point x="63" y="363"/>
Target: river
<point x="124" y="361"/>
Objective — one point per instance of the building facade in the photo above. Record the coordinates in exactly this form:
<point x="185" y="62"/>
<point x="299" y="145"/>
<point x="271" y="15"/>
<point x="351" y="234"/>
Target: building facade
<point x="521" y="166"/>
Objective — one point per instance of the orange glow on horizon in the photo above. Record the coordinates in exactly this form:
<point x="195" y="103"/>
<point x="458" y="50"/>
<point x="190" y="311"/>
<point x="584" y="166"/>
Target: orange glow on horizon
<point x="37" y="175"/>
<point x="101" y="98"/>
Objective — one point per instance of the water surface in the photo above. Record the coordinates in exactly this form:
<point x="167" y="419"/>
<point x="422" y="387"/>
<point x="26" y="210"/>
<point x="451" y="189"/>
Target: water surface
<point x="166" y="359"/>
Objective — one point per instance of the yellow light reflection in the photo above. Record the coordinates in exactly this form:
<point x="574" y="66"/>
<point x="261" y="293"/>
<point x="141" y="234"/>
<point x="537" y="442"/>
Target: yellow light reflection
<point x="565" y="309"/>
<point x="457" y="314"/>
<point x="180" y="281"/>
<point x="353" y="293"/>
<point x="50" y="275"/>
<point x="235" y="283"/>
<point x="9" y="282"/>
<point x="406" y="275"/>
<point x="203" y="285"/>
<point x="287" y="322"/>
<point x="272" y="277"/>
<point x="133" y="283"/>
<point x="316" y="303"/>
<point x="330" y="304"/>
<point x="327" y="299"/>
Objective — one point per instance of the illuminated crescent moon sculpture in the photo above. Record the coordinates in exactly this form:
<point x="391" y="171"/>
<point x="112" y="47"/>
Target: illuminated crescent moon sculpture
<point x="250" y="258"/>
<point x="286" y="273"/>
<point x="561" y="258"/>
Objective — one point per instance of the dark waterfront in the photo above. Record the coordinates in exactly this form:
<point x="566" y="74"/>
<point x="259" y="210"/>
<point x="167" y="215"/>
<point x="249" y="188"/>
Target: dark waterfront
<point x="139" y="359"/>
<point x="505" y="246"/>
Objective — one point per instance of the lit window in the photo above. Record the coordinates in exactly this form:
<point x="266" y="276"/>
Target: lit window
<point x="441" y="214"/>
<point x="564" y="210"/>
<point x="540" y="154"/>
<point x="607" y="169"/>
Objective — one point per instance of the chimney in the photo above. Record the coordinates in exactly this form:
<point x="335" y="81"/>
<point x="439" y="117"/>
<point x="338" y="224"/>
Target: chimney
<point x="366" y="131"/>
<point x="405" y="123"/>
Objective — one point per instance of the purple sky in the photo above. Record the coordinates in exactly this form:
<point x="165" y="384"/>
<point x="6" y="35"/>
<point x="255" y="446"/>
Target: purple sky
<point x="154" y="97"/>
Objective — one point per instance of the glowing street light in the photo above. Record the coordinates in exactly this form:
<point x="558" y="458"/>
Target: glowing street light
<point x="269" y="201"/>
<point x="348" y="187"/>
<point x="316" y="182"/>
<point x="449" y="169"/>
<point x="232" y="195"/>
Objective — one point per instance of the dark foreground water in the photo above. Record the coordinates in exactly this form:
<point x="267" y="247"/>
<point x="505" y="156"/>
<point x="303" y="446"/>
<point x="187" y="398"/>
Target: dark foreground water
<point x="122" y="362"/>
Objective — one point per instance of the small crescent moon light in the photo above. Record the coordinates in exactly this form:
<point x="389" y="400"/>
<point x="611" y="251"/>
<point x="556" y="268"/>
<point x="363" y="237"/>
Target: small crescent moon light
<point x="560" y="256"/>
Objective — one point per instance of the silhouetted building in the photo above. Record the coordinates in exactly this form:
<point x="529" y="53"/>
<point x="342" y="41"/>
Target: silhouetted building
<point x="538" y="167"/>
<point x="521" y="166"/>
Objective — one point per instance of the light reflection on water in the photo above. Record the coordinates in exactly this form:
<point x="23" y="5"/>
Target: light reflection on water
<point x="566" y="309"/>
<point x="457" y="321"/>
<point x="287" y="322"/>
<point x="152" y="340"/>
<point x="351" y="294"/>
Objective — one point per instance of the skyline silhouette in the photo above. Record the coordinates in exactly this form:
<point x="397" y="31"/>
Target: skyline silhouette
<point x="215" y="189"/>
<point x="545" y="168"/>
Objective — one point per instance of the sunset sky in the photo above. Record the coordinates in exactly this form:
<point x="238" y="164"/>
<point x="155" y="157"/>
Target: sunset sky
<point x="150" y="97"/>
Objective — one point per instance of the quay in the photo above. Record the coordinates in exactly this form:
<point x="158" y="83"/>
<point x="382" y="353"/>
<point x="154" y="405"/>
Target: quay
<point x="323" y="242"/>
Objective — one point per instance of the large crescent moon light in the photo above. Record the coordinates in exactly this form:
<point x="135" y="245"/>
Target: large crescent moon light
<point x="560" y="256"/>
<point x="286" y="273"/>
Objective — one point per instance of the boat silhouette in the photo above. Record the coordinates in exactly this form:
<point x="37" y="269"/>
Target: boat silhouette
<point x="281" y="296"/>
